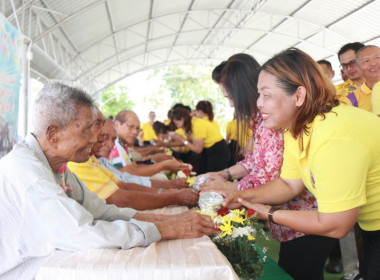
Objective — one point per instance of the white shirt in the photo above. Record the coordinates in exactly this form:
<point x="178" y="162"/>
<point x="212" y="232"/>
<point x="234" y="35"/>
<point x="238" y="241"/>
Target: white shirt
<point x="37" y="216"/>
<point x="125" y="176"/>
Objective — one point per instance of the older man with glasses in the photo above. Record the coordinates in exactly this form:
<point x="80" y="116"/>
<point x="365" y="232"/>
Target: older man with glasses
<point x="350" y="91"/>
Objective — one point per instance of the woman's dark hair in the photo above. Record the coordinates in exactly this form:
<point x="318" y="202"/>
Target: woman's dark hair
<point x="206" y="107"/>
<point x="293" y="68"/>
<point x="238" y="75"/>
<point x="184" y="114"/>
<point x="160" y="128"/>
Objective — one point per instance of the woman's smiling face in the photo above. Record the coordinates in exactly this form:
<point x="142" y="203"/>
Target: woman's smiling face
<point x="277" y="107"/>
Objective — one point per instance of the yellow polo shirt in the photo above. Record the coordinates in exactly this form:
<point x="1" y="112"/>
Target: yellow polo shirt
<point x="365" y="99"/>
<point x="349" y="93"/>
<point x="148" y="132"/>
<point x="232" y="131"/>
<point x="97" y="178"/>
<point x="375" y="98"/>
<point x="339" y="162"/>
<point x="214" y="122"/>
<point x="205" y="130"/>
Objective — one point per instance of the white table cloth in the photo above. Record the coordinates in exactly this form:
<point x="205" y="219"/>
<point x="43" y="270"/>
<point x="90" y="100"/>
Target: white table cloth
<point x="196" y="258"/>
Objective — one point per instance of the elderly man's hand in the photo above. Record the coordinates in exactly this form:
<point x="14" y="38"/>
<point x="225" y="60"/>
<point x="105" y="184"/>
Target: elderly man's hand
<point x="174" y="165"/>
<point x="187" y="197"/>
<point x="161" y="157"/>
<point x="179" y="183"/>
<point x="190" y="225"/>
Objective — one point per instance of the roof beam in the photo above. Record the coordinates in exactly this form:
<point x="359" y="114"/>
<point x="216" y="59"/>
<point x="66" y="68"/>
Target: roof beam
<point x="58" y="24"/>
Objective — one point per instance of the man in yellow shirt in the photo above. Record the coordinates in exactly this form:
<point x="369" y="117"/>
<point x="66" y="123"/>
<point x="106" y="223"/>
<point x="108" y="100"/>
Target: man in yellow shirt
<point x="148" y="131"/>
<point x="122" y="194"/>
<point x="368" y="59"/>
<point x="349" y="92"/>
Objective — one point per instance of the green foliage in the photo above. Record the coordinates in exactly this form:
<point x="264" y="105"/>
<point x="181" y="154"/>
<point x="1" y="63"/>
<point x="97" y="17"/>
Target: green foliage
<point x="189" y="85"/>
<point x="114" y="100"/>
<point x="243" y="256"/>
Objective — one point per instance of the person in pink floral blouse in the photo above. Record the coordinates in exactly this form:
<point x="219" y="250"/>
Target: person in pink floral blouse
<point x="301" y="256"/>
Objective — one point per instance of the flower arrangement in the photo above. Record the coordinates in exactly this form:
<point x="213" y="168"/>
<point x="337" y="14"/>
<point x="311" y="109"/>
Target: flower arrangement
<point x="184" y="173"/>
<point x="236" y="240"/>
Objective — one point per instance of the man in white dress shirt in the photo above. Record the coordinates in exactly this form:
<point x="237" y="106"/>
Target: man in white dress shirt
<point x="43" y="206"/>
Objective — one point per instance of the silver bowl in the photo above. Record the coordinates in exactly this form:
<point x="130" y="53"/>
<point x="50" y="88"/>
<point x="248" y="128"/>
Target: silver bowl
<point x="210" y="201"/>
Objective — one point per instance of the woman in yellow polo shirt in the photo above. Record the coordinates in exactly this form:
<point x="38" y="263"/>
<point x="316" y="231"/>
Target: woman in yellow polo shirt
<point x="331" y="149"/>
<point x="204" y="110"/>
<point x="202" y="138"/>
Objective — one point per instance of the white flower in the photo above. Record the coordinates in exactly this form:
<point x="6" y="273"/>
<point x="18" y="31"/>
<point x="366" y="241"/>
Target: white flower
<point x="180" y="174"/>
<point x="218" y="220"/>
<point x="242" y="231"/>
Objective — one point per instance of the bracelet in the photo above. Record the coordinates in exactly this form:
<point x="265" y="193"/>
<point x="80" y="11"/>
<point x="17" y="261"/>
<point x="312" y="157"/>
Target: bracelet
<point x="229" y="177"/>
<point x="270" y="214"/>
<point x="160" y="191"/>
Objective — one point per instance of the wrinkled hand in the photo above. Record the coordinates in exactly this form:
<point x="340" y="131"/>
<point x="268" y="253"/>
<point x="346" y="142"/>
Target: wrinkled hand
<point x="190" y="225"/>
<point x="261" y="209"/>
<point x="179" y="183"/>
<point x="187" y="197"/>
<point x="214" y="182"/>
<point x="161" y="157"/>
<point x="174" y="165"/>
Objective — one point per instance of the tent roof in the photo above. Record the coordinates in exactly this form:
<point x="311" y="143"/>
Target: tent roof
<point x="96" y="43"/>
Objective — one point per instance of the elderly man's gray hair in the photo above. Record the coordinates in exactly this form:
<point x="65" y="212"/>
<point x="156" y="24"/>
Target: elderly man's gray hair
<point x="57" y="104"/>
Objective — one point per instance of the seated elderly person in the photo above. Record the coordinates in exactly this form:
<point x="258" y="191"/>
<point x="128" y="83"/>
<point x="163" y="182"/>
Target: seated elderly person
<point x="44" y="207"/>
<point x="109" y="137"/>
<point x="120" y="193"/>
<point x="123" y="156"/>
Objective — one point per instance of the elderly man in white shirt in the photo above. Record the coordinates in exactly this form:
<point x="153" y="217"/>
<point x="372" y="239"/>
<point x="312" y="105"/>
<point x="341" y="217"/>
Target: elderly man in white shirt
<point x="43" y="206"/>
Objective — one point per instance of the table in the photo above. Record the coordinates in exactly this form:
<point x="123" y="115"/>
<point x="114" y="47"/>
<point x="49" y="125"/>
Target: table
<point x="196" y="258"/>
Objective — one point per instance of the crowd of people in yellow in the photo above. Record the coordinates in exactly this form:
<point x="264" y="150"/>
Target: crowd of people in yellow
<point x="297" y="151"/>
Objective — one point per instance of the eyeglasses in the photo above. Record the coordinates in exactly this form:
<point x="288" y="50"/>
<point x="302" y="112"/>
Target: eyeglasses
<point x="351" y="63"/>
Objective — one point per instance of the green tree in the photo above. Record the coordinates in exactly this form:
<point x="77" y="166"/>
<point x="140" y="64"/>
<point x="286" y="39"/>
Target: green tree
<point x="190" y="84"/>
<point x="114" y="100"/>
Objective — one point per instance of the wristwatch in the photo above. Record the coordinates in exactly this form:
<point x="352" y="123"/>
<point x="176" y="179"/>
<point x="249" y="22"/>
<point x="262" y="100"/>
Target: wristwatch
<point x="270" y="214"/>
<point x="185" y="142"/>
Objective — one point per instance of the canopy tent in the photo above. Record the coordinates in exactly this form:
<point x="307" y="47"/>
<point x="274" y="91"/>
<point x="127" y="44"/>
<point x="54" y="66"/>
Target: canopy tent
<point x="96" y="43"/>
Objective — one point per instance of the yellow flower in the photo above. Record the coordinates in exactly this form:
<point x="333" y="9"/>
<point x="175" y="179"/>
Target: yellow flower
<point x="251" y="237"/>
<point x="237" y="219"/>
<point x="226" y="228"/>
<point x="190" y="181"/>
<point x="238" y="211"/>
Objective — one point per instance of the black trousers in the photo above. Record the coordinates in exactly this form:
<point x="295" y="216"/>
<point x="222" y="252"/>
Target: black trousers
<point x="304" y="258"/>
<point x="371" y="242"/>
<point x="215" y="158"/>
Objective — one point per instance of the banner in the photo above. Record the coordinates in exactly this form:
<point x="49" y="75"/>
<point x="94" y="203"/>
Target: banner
<point x="11" y="42"/>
